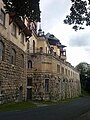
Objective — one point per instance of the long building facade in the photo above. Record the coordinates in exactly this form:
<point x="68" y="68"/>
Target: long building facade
<point x="49" y="75"/>
<point x="33" y="65"/>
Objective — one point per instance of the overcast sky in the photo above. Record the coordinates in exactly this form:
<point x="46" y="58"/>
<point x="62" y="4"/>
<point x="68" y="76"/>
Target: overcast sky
<point x="53" y="12"/>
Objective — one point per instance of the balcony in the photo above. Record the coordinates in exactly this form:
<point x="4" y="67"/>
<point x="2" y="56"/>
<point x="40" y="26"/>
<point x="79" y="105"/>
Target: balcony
<point x="49" y="53"/>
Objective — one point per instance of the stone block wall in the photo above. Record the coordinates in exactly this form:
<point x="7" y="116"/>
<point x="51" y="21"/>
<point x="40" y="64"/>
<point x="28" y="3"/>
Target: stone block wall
<point x="12" y="77"/>
<point x="60" y="86"/>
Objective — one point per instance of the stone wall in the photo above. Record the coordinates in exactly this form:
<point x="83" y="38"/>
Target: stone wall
<point x="12" y="77"/>
<point x="61" y="86"/>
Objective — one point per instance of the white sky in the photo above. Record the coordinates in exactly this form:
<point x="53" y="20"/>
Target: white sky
<point x="53" y="12"/>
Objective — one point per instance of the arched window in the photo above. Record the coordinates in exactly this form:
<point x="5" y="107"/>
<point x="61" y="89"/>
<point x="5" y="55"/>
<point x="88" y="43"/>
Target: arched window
<point x="22" y="60"/>
<point x="29" y="64"/>
<point x="13" y="57"/>
<point x="33" y="46"/>
<point x="1" y="51"/>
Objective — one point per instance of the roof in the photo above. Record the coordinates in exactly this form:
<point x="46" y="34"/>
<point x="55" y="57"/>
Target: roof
<point x="62" y="46"/>
<point x="52" y="39"/>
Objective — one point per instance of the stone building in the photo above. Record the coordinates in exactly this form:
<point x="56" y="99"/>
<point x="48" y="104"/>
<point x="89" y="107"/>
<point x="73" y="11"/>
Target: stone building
<point x="33" y="66"/>
<point x="49" y="75"/>
<point x="13" y="45"/>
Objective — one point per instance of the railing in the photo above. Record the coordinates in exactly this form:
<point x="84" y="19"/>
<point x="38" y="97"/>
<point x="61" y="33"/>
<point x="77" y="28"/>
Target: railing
<point x="41" y="51"/>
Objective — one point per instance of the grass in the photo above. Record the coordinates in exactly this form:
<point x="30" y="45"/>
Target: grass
<point x="16" y="106"/>
<point x="33" y="104"/>
<point x="84" y="93"/>
<point x="28" y="104"/>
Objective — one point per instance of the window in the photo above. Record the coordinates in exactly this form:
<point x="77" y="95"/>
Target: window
<point x="22" y="38"/>
<point x="22" y="60"/>
<point x="33" y="46"/>
<point x="0" y="83"/>
<point x="41" y="49"/>
<point x="58" y="68"/>
<point x="14" y="29"/>
<point x="69" y="72"/>
<point x="46" y="49"/>
<point x="13" y="57"/>
<point x="29" y="64"/>
<point x="28" y="45"/>
<point x="1" y="51"/>
<point x="46" y="85"/>
<point x="66" y="71"/>
<point x="62" y="70"/>
<point x="2" y="17"/>
<point x="29" y="81"/>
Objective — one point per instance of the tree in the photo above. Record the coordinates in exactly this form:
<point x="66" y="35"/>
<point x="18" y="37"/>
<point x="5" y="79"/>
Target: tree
<point x="84" y="69"/>
<point x="79" y="14"/>
<point x="23" y="8"/>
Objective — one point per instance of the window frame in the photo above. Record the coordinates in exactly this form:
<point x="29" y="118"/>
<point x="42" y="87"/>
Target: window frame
<point x="13" y="56"/>
<point x="29" y="64"/>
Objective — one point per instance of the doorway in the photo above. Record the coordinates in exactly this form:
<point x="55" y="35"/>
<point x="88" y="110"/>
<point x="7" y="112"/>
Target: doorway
<point x="29" y="93"/>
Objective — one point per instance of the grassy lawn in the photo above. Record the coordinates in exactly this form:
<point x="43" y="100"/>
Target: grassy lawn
<point x="27" y="105"/>
<point x="33" y="104"/>
<point x="16" y="106"/>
